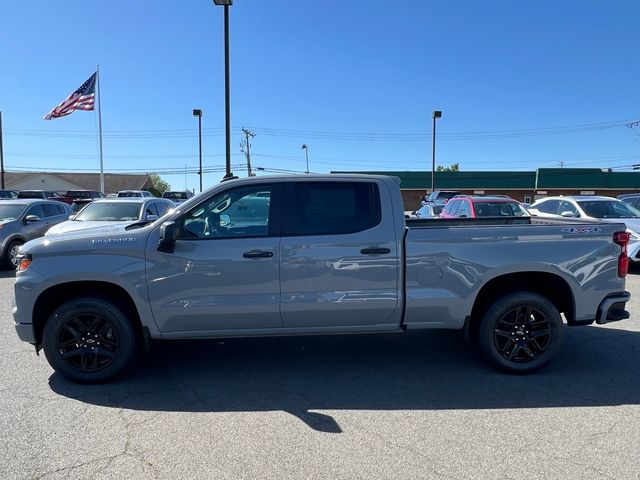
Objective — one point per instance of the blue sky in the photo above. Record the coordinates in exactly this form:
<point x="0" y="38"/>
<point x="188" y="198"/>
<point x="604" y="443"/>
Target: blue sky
<point x="356" y="80"/>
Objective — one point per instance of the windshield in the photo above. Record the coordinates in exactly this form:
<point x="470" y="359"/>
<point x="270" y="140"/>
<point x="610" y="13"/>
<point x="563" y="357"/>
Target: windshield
<point x="110" y="212"/>
<point x="10" y="212"/>
<point x="499" y="209"/>
<point x="129" y="194"/>
<point x="608" y="209"/>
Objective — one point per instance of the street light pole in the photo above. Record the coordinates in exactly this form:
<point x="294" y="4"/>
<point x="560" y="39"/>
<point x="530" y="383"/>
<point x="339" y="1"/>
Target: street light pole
<point x="198" y="113"/>
<point x="305" y="147"/>
<point x="436" y="114"/>
<point x="226" y="4"/>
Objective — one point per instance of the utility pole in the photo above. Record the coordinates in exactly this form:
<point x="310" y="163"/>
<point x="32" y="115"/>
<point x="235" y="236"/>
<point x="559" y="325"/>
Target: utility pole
<point x="245" y="147"/>
<point x="1" y="154"/>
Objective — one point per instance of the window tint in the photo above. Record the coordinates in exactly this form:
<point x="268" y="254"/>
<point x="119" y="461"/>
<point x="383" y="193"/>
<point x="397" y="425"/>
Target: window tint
<point x="608" y="209"/>
<point x="500" y="209"/>
<point x="37" y="211"/>
<point x="333" y="208"/>
<point x="549" y="206"/>
<point x="52" y="210"/>
<point x="241" y="212"/>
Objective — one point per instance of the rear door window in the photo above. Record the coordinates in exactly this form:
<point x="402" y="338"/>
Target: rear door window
<point x="549" y="206"/>
<point x="51" y="210"/>
<point x="332" y="208"/>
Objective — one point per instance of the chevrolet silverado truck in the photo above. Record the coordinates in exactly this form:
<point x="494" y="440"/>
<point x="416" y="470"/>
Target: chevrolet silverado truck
<point x="316" y="254"/>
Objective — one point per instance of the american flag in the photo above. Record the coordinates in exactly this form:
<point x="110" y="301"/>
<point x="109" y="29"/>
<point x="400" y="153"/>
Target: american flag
<point x="82" y="99"/>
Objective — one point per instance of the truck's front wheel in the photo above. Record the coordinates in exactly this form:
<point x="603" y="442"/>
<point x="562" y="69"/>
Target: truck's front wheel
<point x="89" y="340"/>
<point x="521" y="332"/>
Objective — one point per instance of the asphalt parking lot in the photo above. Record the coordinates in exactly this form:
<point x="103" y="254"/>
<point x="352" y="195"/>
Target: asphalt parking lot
<point x="419" y="406"/>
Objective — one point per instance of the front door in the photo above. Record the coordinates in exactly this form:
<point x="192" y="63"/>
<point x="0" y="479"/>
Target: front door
<point x="224" y="274"/>
<point x="37" y="228"/>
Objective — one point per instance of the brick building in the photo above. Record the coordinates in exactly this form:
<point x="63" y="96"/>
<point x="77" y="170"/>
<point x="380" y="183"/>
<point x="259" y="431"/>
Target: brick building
<point x="524" y="186"/>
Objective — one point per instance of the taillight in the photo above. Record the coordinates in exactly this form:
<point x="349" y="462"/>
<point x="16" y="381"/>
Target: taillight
<point x="24" y="263"/>
<point x="622" y="239"/>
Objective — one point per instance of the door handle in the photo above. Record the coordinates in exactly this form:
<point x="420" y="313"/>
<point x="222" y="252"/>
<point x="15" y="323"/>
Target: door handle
<point x="374" y="251"/>
<point x="257" y="254"/>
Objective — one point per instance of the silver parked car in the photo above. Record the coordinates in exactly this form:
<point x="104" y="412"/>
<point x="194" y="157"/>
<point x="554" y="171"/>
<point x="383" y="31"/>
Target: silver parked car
<point x="113" y="215"/>
<point x="22" y="220"/>
<point x="603" y="209"/>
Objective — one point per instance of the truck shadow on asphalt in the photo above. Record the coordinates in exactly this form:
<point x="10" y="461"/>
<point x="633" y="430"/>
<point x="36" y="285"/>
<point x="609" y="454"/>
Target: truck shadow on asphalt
<point x="434" y="371"/>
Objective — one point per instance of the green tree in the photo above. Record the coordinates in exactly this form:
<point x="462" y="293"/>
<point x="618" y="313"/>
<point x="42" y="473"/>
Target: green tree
<point x="159" y="186"/>
<point x="453" y="168"/>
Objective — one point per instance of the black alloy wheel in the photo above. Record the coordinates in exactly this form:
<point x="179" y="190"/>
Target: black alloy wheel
<point x="89" y="340"/>
<point x="521" y="332"/>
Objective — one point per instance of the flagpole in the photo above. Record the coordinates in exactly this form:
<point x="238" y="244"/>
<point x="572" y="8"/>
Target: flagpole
<point x="100" y="128"/>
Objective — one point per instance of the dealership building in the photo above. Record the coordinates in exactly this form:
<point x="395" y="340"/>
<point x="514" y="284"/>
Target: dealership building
<point x="524" y="186"/>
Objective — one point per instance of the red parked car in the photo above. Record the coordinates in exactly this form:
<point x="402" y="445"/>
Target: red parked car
<point x="473" y="207"/>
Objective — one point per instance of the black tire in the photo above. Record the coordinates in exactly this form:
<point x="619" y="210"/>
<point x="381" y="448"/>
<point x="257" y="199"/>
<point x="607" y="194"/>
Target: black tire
<point x="521" y="332"/>
<point x="89" y="340"/>
<point x="10" y="260"/>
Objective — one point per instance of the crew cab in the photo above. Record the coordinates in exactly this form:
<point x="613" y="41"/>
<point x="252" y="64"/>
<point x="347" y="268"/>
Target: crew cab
<point x="316" y="254"/>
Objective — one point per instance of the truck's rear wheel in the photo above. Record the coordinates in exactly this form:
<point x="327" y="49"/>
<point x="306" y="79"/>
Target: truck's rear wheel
<point x="521" y="332"/>
<point x="89" y="340"/>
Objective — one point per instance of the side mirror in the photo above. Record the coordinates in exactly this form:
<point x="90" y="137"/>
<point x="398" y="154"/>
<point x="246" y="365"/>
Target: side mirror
<point x="168" y="237"/>
<point x="152" y="218"/>
<point x="31" y="218"/>
<point x="568" y="214"/>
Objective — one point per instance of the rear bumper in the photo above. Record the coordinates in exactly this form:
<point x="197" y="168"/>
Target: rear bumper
<point x="612" y="308"/>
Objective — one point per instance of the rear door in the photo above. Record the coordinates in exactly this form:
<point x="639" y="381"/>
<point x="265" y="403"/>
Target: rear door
<point x="224" y="274"/>
<point x="340" y="258"/>
<point x="54" y="214"/>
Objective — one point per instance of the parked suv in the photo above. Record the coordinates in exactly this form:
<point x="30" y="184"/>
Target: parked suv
<point x="467" y="206"/>
<point x="24" y="220"/>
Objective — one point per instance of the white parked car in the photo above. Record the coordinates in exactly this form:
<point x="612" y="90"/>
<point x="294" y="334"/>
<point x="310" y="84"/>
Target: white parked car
<point x="113" y="215"/>
<point x="604" y="209"/>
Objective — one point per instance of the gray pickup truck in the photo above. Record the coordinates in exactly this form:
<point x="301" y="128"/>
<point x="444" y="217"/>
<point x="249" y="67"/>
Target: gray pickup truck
<point x="315" y="254"/>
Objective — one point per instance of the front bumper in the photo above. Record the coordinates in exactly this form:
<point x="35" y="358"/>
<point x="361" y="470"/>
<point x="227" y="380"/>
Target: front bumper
<point x="26" y="331"/>
<point x="612" y="308"/>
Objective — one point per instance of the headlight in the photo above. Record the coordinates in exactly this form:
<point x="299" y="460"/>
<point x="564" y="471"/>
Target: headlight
<point x="633" y="235"/>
